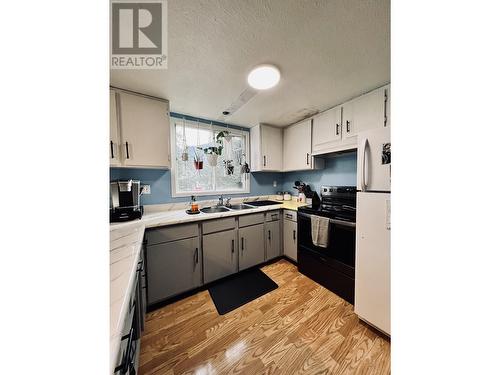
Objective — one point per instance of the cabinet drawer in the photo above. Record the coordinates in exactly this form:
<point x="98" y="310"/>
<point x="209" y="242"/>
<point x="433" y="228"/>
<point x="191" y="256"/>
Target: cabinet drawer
<point x="273" y="215"/>
<point x="290" y="215"/>
<point x="171" y="233"/>
<point x="218" y="225"/>
<point x="252" y="219"/>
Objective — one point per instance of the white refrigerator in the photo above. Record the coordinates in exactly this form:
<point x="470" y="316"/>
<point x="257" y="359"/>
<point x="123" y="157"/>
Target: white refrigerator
<point x="372" y="296"/>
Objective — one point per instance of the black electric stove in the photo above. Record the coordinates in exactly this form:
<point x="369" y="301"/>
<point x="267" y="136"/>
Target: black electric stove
<point x="331" y="266"/>
<point x="337" y="202"/>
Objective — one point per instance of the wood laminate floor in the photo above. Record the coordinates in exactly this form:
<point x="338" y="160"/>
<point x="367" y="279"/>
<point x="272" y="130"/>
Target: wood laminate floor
<point x="299" y="328"/>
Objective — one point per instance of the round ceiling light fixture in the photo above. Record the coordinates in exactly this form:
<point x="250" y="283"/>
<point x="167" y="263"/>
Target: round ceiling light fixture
<point x="264" y="77"/>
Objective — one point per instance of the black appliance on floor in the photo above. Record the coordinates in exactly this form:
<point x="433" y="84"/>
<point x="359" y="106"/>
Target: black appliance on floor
<point x="333" y="266"/>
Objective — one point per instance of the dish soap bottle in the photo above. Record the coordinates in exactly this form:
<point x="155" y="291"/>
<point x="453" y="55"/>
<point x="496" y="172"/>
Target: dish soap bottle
<point x="194" y="204"/>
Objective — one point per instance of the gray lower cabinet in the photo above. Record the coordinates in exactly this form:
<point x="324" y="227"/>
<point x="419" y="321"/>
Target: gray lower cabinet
<point x="251" y="243"/>
<point x="273" y="239"/>
<point x="172" y="268"/>
<point x="220" y="255"/>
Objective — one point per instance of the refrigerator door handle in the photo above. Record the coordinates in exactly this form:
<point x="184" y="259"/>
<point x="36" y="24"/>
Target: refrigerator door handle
<point x="363" y="166"/>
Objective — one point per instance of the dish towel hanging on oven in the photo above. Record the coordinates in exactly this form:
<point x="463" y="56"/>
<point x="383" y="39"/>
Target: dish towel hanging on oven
<point x="320" y="228"/>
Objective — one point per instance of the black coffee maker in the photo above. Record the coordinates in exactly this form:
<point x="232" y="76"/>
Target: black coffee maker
<point x="125" y="200"/>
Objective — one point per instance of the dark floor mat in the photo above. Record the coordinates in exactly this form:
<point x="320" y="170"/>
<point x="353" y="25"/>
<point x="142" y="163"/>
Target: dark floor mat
<point x="237" y="290"/>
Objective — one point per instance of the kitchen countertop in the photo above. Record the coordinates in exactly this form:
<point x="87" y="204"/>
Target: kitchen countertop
<point x="158" y="219"/>
<point x="292" y="205"/>
<point x="125" y="245"/>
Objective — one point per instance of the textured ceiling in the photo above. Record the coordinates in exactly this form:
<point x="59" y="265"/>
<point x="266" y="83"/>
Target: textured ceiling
<point x="327" y="50"/>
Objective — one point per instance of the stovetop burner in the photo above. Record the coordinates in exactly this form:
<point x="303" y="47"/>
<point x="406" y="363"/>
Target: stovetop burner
<point x="337" y="202"/>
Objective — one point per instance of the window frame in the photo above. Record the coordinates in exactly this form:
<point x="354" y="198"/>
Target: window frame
<point x="215" y="128"/>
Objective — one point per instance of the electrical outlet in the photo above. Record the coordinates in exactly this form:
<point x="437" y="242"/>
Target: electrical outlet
<point x="146" y="189"/>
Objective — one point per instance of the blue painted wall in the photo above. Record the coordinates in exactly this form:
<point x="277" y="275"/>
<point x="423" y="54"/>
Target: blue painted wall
<point x="339" y="170"/>
<point x="261" y="183"/>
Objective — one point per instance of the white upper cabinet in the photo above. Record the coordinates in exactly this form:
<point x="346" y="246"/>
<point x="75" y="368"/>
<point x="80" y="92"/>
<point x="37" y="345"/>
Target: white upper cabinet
<point x="327" y="130"/>
<point x="114" y="134"/>
<point x="266" y="143"/>
<point x="337" y="129"/>
<point x="297" y="146"/>
<point x="145" y="131"/>
<point x="364" y="113"/>
<point x="297" y="153"/>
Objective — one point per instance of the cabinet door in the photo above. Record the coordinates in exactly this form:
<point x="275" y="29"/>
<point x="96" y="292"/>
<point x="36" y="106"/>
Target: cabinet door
<point x="114" y="136"/>
<point x="145" y="131"/>
<point x="255" y="149"/>
<point x="272" y="239"/>
<point x="220" y="257"/>
<point x="290" y="239"/>
<point x="251" y="241"/>
<point x="172" y="268"/>
<point x="364" y="113"/>
<point x="297" y="147"/>
<point x="271" y="148"/>
<point x="327" y="130"/>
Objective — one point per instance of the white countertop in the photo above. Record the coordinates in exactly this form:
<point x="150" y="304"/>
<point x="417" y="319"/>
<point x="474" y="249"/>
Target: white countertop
<point x="157" y="219"/>
<point x="125" y="245"/>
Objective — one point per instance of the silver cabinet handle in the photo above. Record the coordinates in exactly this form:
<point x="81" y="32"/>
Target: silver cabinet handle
<point x="242" y="245"/>
<point x="348" y="128"/>
<point x="294" y="235"/>
<point x="196" y="256"/>
<point x="269" y="235"/>
<point x="112" y="150"/>
<point x="288" y="216"/>
<point x="363" y="166"/>
<point x="336" y="129"/>
<point x="232" y="246"/>
<point x="126" y="147"/>
<point x="307" y="158"/>
<point x="264" y="160"/>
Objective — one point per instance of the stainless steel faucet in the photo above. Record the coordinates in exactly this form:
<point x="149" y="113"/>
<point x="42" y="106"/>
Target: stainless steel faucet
<point x="221" y="201"/>
<point x="227" y="202"/>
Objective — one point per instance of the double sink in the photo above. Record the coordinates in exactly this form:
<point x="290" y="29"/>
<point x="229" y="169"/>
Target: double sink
<point x="240" y="206"/>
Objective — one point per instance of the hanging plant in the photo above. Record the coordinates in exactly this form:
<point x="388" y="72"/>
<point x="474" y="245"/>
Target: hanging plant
<point x="198" y="156"/>
<point x="198" y="159"/>
<point x="213" y="152"/>
<point x="228" y="167"/>
<point x="221" y="135"/>
<point x="184" y="154"/>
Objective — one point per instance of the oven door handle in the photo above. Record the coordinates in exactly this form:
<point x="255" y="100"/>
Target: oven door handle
<point x="332" y="221"/>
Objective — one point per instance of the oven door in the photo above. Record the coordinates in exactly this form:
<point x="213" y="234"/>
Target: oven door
<point x="340" y="253"/>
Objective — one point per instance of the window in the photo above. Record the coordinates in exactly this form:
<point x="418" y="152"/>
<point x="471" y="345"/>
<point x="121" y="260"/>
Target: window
<point x="194" y="140"/>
